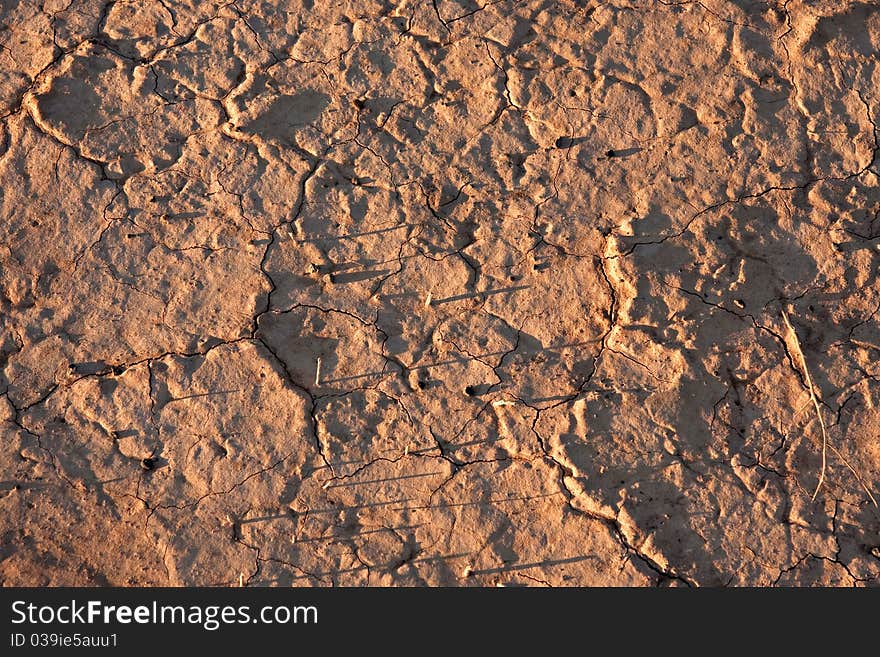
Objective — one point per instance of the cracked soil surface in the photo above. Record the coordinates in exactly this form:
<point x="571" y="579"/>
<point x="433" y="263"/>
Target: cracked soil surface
<point x="439" y="292"/>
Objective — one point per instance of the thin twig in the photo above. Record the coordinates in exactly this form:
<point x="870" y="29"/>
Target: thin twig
<point x="855" y="474"/>
<point x="849" y="465"/>
<point x="815" y="400"/>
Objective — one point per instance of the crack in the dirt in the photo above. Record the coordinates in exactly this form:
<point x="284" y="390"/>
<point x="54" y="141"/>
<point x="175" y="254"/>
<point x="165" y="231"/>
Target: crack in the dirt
<point x="612" y="523"/>
<point x="459" y="231"/>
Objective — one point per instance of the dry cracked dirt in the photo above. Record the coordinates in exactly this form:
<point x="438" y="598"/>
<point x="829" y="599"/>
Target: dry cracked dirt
<point x="439" y="292"/>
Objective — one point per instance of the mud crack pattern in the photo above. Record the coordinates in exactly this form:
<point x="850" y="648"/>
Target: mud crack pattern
<point x="541" y="251"/>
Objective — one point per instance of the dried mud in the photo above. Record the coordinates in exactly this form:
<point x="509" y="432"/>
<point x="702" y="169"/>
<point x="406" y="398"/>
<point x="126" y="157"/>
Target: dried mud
<point x="541" y="250"/>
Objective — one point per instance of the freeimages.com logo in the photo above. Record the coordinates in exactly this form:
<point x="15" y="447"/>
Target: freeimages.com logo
<point x="210" y="617"/>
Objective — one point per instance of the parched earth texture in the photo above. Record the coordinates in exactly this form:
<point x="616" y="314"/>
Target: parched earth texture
<point x="439" y="293"/>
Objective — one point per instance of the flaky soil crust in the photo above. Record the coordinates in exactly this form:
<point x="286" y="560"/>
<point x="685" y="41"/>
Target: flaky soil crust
<point x="541" y="250"/>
